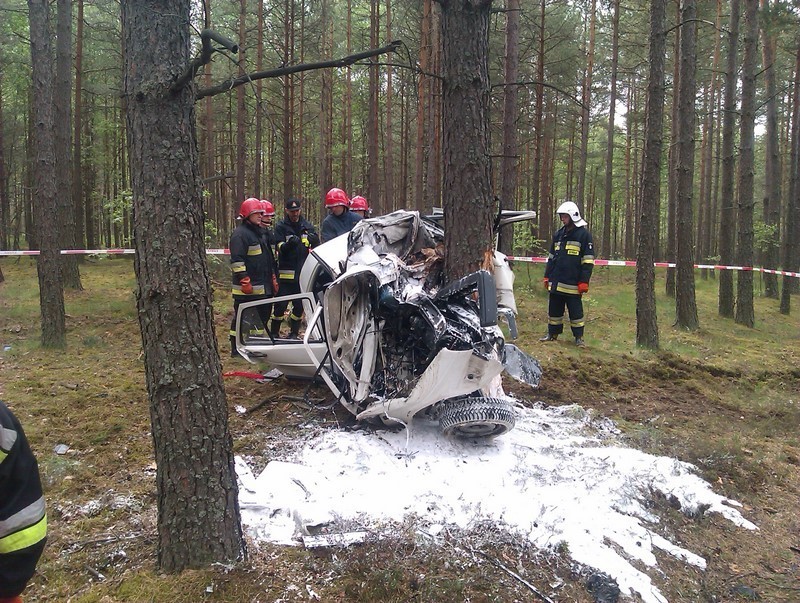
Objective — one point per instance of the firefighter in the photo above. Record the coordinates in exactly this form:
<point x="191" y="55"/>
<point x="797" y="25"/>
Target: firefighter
<point x="339" y="219"/>
<point x="360" y="206"/>
<point x="23" y="520"/>
<point x="252" y="265"/>
<point x="294" y="236"/>
<point x="566" y="277"/>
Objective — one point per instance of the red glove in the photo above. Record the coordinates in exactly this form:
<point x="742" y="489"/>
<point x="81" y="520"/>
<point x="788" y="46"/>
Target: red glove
<point x="274" y="284"/>
<point x="583" y="288"/>
<point x="546" y="282"/>
<point x="16" y="599"/>
<point x="247" y="288"/>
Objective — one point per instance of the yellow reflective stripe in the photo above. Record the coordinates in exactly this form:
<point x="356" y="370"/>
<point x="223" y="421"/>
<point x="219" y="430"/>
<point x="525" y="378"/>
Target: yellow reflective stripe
<point x="555" y="320"/>
<point x="254" y="249"/>
<point x="258" y="290"/>
<point x="232" y="333"/>
<point x="577" y="323"/>
<point x="563" y="288"/>
<point x="238" y="267"/>
<point x="286" y="274"/>
<point x="24" y="538"/>
<point x="572" y="245"/>
<point x="3" y="456"/>
<point x="293" y="317"/>
<point x="587" y="259"/>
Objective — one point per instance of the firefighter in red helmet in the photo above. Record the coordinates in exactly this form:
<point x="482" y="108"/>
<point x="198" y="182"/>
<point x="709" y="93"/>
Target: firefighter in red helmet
<point x="339" y="219"/>
<point x="252" y="266"/>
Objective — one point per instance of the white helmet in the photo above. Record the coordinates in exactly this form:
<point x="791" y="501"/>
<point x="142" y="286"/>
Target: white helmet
<point x="571" y="209"/>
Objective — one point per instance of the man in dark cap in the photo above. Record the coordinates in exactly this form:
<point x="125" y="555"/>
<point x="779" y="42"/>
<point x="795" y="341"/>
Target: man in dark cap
<point x="294" y="236"/>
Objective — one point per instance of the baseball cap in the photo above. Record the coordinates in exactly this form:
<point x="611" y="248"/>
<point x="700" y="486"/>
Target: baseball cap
<point x="292" y="203"/>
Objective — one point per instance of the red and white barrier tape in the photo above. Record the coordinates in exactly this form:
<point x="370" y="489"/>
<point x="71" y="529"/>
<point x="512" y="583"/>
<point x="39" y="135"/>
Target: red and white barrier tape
<point x="632" y="263"/>
<point x="535" y="260"/>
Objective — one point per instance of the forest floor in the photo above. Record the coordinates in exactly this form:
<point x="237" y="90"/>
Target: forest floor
<point x="725" y="398"/>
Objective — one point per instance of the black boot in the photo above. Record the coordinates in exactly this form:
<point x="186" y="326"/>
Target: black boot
<point x="234" y="352"/>
<point x="275" y="328"/>
<point x="294" y="329"/>
<point x="549" y="337"/>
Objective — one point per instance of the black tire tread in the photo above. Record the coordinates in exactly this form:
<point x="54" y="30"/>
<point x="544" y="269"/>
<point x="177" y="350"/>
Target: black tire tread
<point x="456" y="415"/>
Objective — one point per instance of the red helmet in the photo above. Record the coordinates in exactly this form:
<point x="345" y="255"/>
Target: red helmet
<point x="359" y="203"/>
<point x="268" y="208"/>
<point x="249" y="207"/>
<point x="336" y="197"/>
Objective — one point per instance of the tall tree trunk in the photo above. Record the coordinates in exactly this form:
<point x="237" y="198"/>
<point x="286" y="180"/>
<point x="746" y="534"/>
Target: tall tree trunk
<point x="510" y="160"/>
<point x="389" y="168"/>
<point x="49" y="264"/>
<point x="372" y="113"/>
<point x="5" y="205"/>
<point x="685" y="302"/>
<point x="792" y="237"/>
<point x="347" y="111"/>
<point x="77" y="147"/>
<point x="198" y="511"/>
<point x="258" y="161"/>
<point x="586" y="100"/>
<point x="423" y="94"/>
<point x="646" y="317"/>
<point x="465" y="103"/>
<point x="326" y="103"/>
<point x="538" y="126"/>
<point x="62" y="108"/>
<point x="241" y="115"/>
<point x="772" y="171"/>
<point x="606" y="247"/>
<point x="744" y="287"/>
<point x="672" y="185"/>
<point x="727" y="226"/>
<point x="288" y="130"/>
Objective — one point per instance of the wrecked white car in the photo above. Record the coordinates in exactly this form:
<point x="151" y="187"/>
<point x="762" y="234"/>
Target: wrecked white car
<point x="391" y="339"/>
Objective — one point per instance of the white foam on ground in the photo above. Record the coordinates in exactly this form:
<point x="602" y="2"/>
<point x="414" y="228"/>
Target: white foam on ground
<point x="557" y="477"/>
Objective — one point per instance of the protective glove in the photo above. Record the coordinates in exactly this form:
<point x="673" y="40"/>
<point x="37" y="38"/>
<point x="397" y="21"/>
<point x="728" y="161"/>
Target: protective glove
<point x="304" y="240"/>
<point x="16" y="599"/>
<point x="274" y="284"/>
<point x="583" y="288"/>
<point x="292" y="240"/>
<point x="546" y="282"/>
<point x="247" y="288"/>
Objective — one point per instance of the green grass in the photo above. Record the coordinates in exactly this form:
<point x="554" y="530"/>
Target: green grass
<point x="725" y="397"/>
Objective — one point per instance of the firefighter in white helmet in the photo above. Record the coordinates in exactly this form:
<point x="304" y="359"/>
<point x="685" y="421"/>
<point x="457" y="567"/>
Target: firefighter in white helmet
<point x="566" y="277"/>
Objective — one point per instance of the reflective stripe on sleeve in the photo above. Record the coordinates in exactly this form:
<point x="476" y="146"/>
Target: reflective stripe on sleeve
<point x="254" y="249"/>
<point x="7" y="439"/>
<point x="237" y="267"/>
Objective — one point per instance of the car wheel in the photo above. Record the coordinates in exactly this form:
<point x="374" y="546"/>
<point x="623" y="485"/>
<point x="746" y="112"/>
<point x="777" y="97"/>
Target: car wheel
<point x="476" y="417"/>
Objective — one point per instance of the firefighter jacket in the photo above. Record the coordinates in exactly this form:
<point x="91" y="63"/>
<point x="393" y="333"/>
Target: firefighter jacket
<point x="23" y="521"/>
<point x="570" y="261"/>
<point x="333" y="226"/>
<point x="251" y="256"/>
<point x="293" y="241"/>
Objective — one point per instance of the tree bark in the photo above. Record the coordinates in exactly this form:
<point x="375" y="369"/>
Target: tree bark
<point x="727" y="226"/>
<point x="198" y="512"/>
<point x="77" y="147"/>
<point x="646" y="317"/>
<point x="62" y="109"/>
<point x="468" y="205"/>
<point x="510" y="160"/>
<point x="606" y="247"/>
<point x="685" y="302"/>
<point x="790" y="253"/>
<point x="744" y="286"/>
<point x="772" y="169"/>
<point x="49" y="264"/>
<point x="585" y="109"/>
<point x="672" y="185"/>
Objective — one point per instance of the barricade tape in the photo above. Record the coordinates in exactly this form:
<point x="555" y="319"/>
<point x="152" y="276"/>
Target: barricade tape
<point x="535" y="260"/>
<point x="632" y="263"/>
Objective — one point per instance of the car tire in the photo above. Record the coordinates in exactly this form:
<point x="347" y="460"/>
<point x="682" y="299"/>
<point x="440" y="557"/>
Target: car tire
<point x="476" y="417"/>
